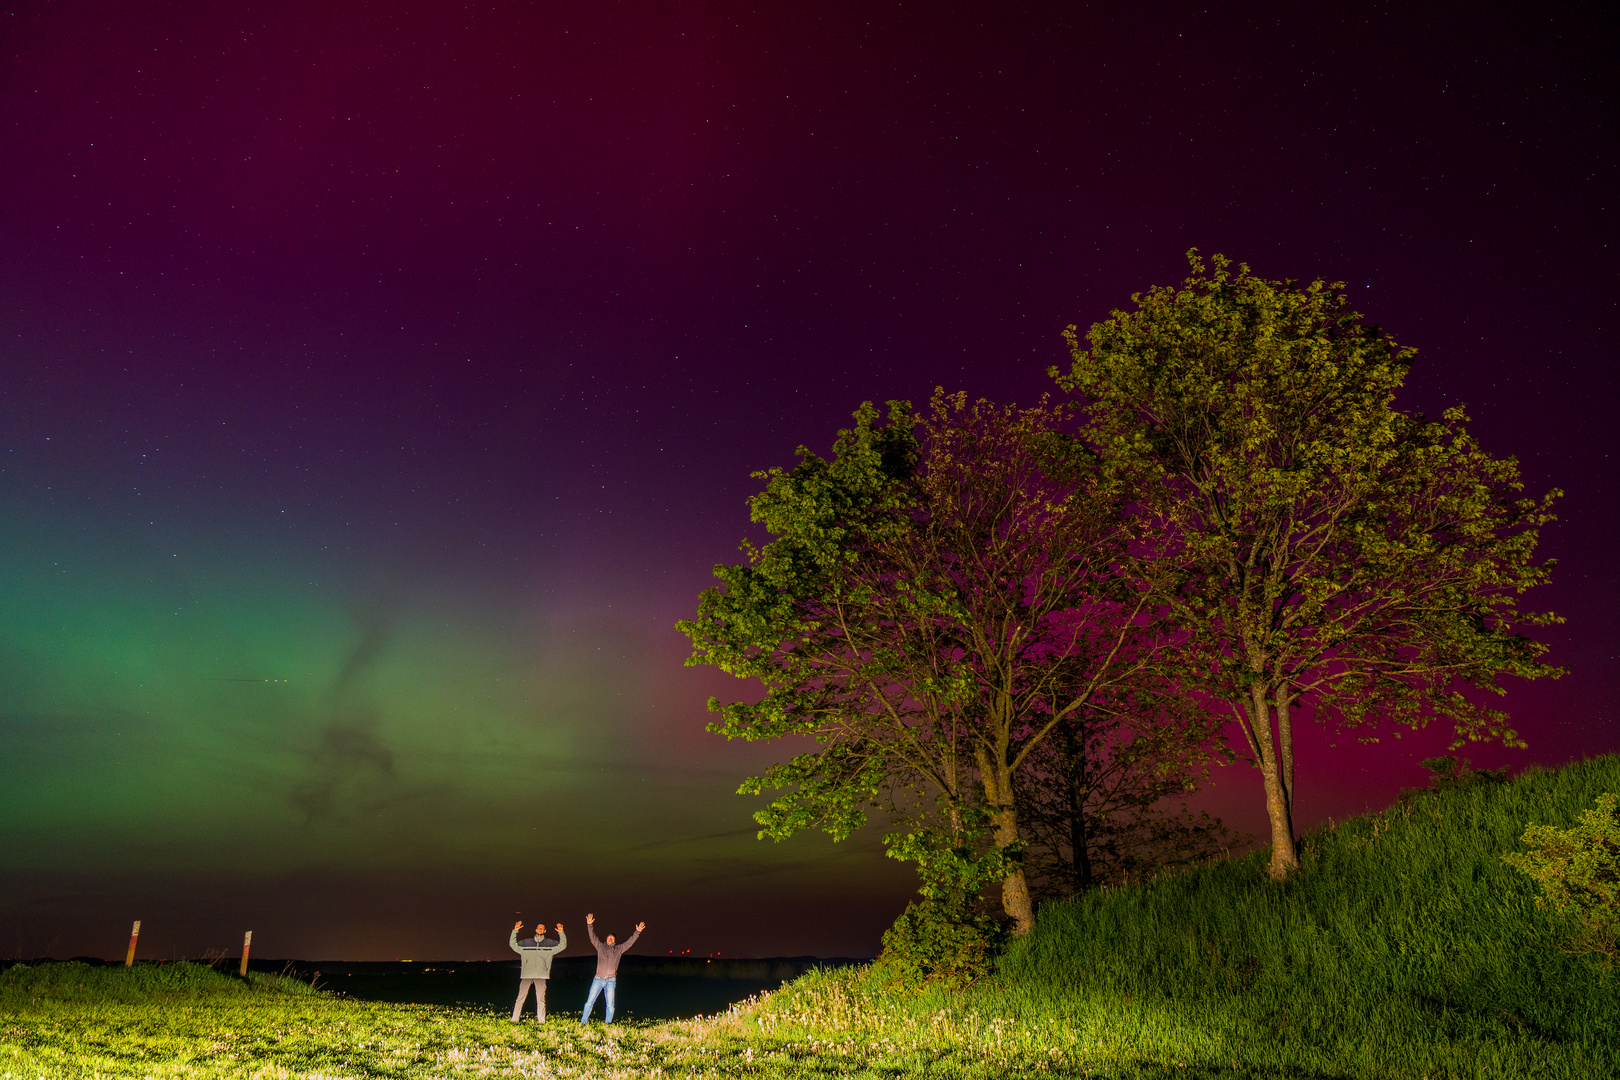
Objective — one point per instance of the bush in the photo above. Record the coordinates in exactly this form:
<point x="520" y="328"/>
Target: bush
<point x="1579" y="871"/>
<point x="1449" y="774"/>
<point x="939" y="942"/>
<point x="943" y="938"/>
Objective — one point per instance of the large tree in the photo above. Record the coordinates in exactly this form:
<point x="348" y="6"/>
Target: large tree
<point x="1333" y="551"/>
<point x="939" y="598"/>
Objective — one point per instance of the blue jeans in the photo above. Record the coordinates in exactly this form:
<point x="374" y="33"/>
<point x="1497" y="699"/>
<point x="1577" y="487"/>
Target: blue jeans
<point x="599" y="984"/>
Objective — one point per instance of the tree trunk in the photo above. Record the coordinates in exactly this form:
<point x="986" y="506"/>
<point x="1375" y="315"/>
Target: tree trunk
<point x="1279" y="798"/>
<point x="1284" y="855"/>
<point x="1074" y="762"/>
<point x="1015" y="899"/>
<point x="1285" y="744"/>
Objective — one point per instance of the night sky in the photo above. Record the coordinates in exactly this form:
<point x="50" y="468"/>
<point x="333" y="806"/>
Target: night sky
<point x="380" y="382"/>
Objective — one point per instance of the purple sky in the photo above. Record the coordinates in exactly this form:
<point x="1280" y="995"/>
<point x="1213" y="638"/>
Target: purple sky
<point x="419" y="354"/>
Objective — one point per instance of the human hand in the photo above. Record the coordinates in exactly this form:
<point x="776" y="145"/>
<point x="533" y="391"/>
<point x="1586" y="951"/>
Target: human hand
<point x="640" y="926"/>
<point x="518" y="925"/>
<point x="590" y="919"/>
<point x="559" y="928"/>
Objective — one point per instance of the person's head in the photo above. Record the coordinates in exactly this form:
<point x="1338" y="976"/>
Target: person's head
<point x="610" y="939"/>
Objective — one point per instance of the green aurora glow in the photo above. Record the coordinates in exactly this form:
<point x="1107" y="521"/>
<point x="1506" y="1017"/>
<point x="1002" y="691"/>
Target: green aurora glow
<point x="169" y="722"/>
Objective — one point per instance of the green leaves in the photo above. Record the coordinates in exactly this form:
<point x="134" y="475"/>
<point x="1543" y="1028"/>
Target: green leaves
<point x="1327" y="542"/>
<point x="936" y="598"/>
<point x="1327" y="549"/>
<point x="952" y="864"/>
<point x="1579" y="873"/>
<point x="944" y="939"/>
<point x="797" y="617"/>
<point x="768" y="615"/>
<point x="828" y="789"/>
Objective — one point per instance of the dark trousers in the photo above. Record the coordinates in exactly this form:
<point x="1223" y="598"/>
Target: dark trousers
<point x="539" y="998"/>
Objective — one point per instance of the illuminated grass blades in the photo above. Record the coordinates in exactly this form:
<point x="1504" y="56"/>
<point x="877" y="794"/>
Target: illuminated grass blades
<point x="1405" y="947"/>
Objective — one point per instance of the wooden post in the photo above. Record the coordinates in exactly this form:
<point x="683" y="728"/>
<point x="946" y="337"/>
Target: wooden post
<point x="247" y="942"/>
<point x="134" y="933"/>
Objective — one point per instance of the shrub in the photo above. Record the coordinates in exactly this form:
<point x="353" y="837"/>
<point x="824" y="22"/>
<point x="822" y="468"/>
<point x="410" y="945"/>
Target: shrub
<point x="943" y="938"/>
<point x="939" y="942"/>
<point x="1579" y="872"/>
<point x="1449" y="774"/>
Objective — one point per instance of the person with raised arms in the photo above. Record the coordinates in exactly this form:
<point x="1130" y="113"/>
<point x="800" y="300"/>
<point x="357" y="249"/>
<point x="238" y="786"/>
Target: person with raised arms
<point x="607" y="967"/>
<point x="536" y="953"/>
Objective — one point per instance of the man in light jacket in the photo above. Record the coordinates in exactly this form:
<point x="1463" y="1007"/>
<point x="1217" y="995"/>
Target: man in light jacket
<point x="607" y="966"/>
<point x="537" y="953"/>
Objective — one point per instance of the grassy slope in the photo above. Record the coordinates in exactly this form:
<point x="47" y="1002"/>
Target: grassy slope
<point x="1405" y="948"/>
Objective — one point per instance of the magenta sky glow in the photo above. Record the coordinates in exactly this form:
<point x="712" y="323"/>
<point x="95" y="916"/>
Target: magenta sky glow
<point x="419" y="354"/>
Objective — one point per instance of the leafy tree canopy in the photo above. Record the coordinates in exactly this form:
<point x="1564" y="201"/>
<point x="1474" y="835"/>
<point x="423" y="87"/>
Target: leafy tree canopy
<point x="938" y="598"/>
<point x="1330" y="549"/>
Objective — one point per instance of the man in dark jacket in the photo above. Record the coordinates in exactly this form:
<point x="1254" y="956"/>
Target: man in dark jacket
<point x="607" y="967"/>
<point x="537" y="953"/>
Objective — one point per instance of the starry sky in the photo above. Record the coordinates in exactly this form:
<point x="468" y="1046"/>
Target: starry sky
<point x="380" y="382"/>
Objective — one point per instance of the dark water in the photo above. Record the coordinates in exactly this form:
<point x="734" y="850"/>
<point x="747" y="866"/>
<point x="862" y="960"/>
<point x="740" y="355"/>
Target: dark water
<point x="650" y="987"/>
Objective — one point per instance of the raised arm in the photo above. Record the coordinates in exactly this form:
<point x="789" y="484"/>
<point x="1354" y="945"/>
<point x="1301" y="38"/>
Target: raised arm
<point x="631" y="940"/>
<point x="562" y="941"/>
<point x="512" y="941"/>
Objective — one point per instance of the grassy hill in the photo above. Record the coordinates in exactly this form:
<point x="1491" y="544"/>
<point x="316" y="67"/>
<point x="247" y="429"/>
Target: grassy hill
<point x="1405" y="947"/>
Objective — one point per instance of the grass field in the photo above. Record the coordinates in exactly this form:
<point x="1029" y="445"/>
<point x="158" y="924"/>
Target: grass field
<point x="1405" y="947"/>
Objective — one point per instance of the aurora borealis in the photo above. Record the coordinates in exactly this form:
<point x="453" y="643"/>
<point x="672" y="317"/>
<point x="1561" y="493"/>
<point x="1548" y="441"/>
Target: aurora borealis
<point x="379" y="383"/>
